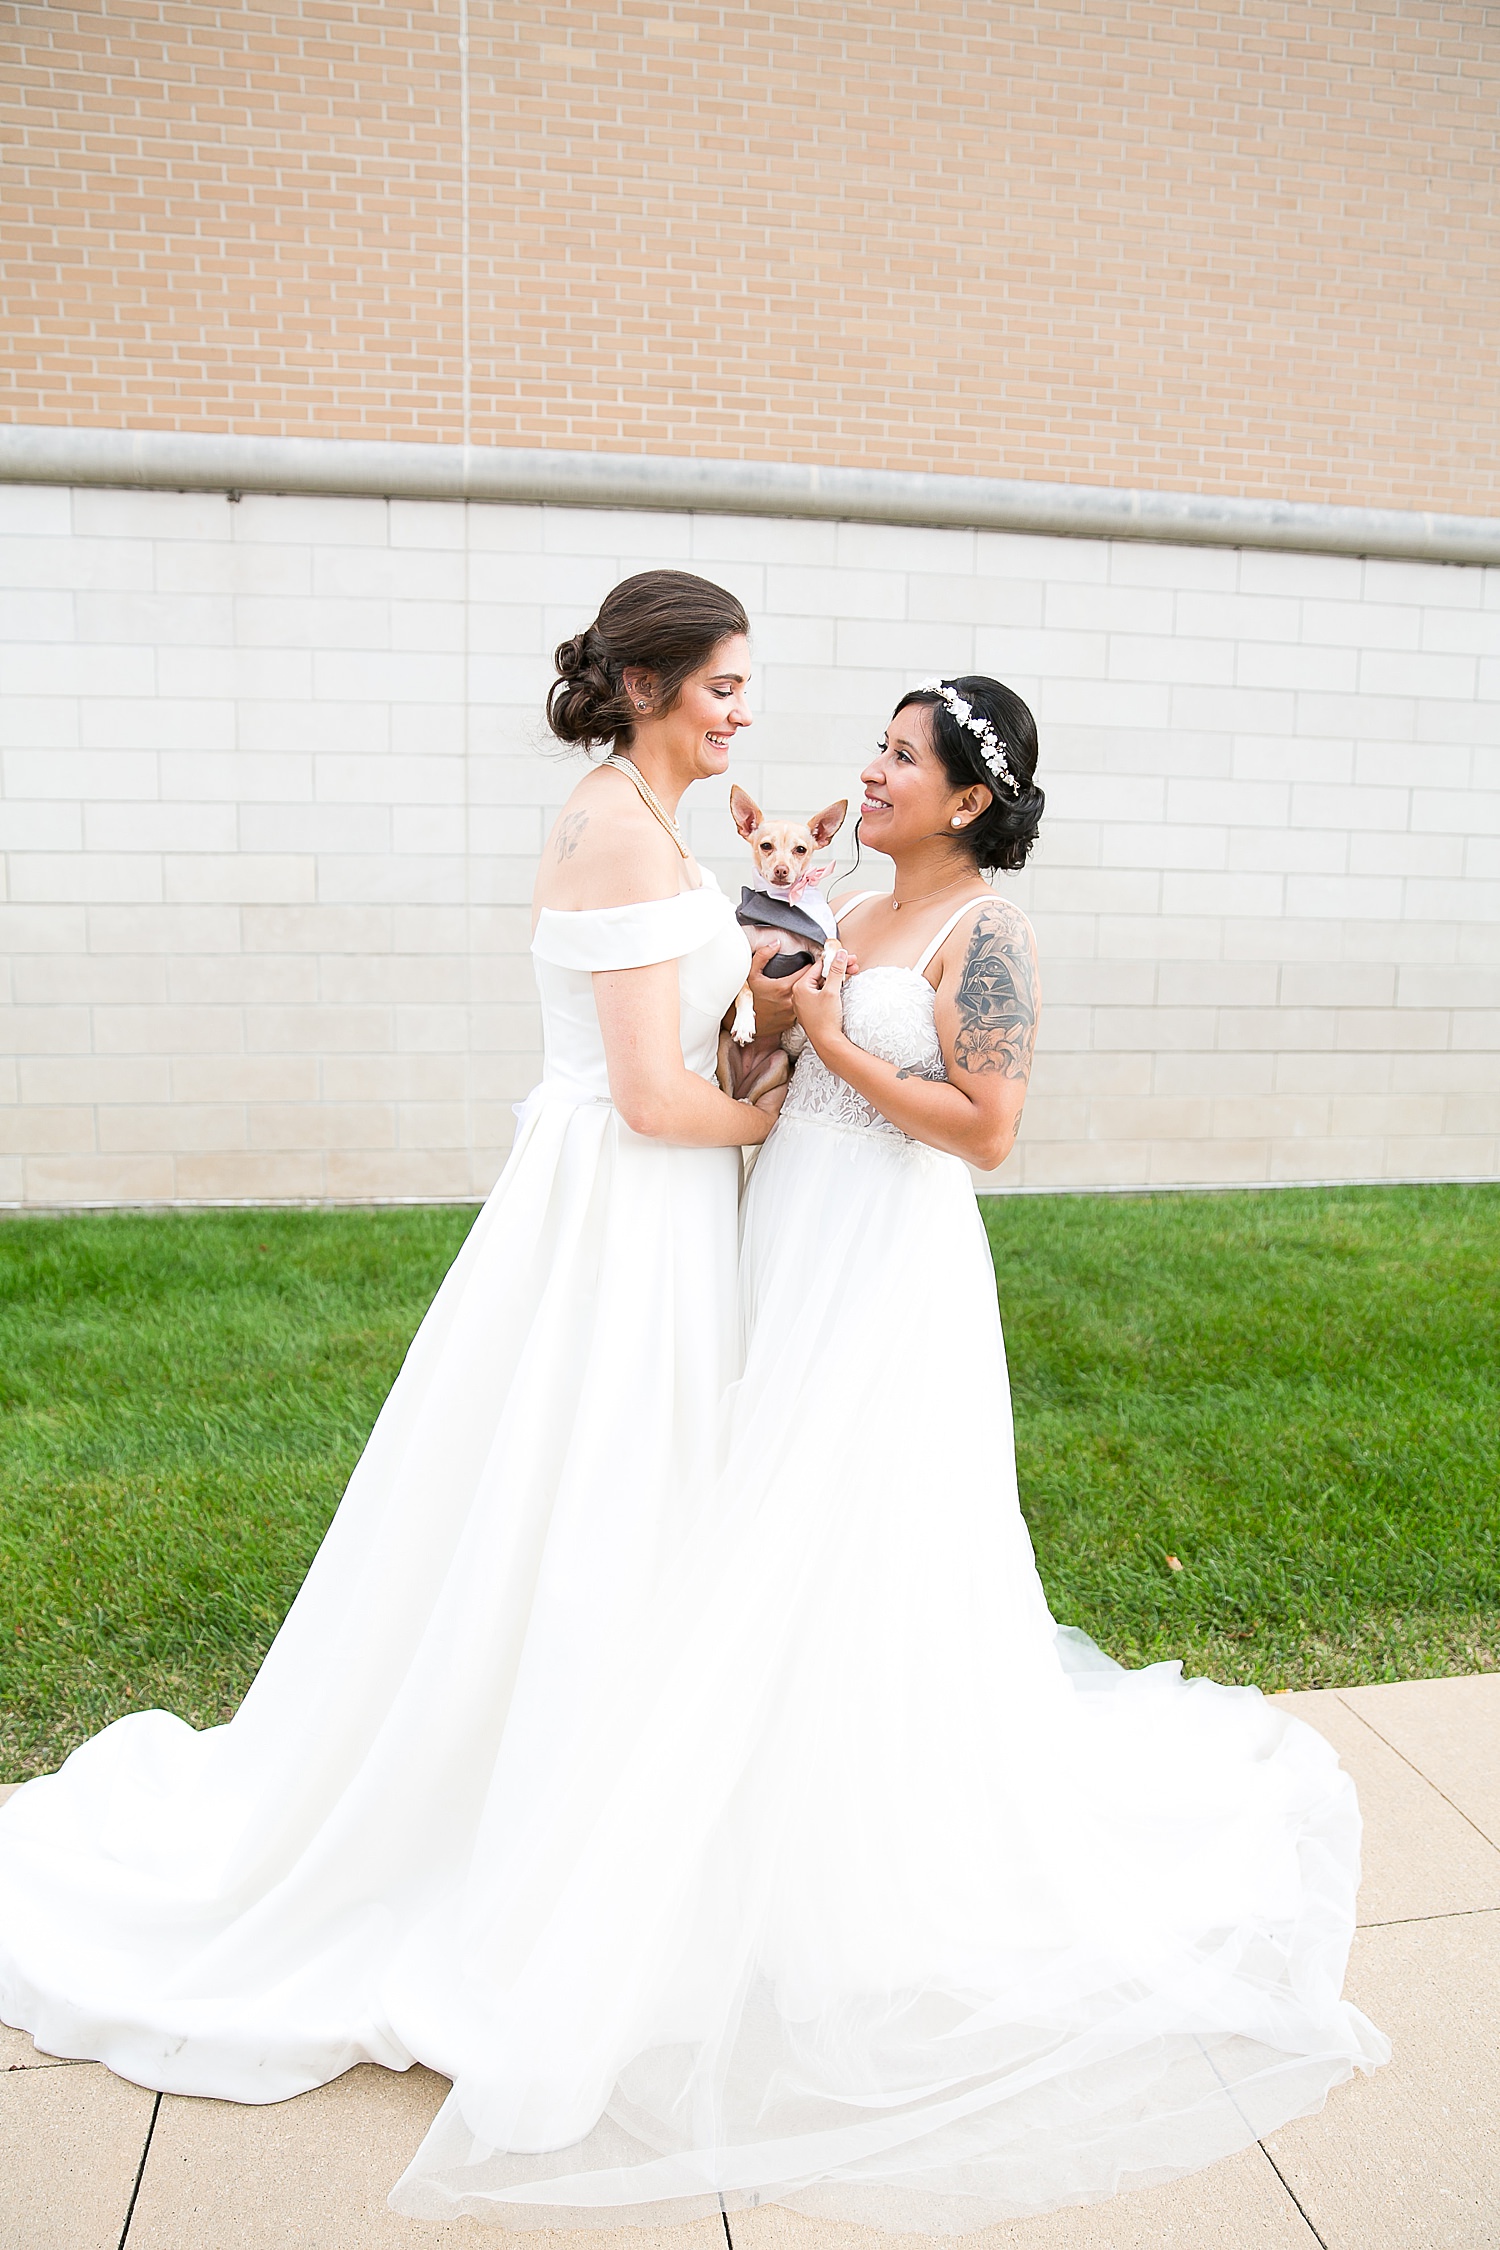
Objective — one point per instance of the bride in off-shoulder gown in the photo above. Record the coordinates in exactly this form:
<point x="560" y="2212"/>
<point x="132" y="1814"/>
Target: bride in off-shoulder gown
<point x="235" y="1912"/>
<point x="248" y="1911"/>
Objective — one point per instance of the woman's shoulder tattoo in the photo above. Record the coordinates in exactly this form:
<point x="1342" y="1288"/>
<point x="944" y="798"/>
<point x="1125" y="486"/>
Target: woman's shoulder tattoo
<point x="997" y="995"/>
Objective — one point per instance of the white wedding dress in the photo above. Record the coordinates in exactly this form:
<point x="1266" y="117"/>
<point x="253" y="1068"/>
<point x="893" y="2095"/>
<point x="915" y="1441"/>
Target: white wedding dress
<point x="235" y="1912"/>
<point x="709" y="1795"/>
<point x="878" y="1895"/>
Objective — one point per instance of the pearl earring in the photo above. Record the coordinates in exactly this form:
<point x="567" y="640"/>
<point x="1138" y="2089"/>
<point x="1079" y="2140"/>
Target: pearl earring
<point x="957" y="820"/>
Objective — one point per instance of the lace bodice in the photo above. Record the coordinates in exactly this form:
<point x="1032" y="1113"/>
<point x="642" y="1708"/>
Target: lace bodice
<point x="889" y="1011"/>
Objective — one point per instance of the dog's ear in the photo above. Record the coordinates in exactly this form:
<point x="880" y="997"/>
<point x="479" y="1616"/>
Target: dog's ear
<point x="747" y="813"/>
<point x="824" y="826"/>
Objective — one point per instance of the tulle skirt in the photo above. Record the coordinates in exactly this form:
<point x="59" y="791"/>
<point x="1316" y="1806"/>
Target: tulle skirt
<point x="867" y="1890"/>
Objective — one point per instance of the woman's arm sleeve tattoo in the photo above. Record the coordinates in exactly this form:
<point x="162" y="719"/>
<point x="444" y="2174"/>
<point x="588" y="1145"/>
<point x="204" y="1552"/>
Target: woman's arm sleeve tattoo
<point x="996" y="997"/>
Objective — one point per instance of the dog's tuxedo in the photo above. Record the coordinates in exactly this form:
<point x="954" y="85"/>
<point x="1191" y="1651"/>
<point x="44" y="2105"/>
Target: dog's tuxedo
<point x="812" y="925"/>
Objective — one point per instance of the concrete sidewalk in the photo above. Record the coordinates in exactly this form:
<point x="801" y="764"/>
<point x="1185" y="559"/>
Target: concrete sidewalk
<point x="1408" y="2160"/>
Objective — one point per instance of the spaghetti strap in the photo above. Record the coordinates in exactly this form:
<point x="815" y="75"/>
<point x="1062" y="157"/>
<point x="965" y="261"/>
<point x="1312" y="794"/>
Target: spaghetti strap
<point x="947" y="931"/>
<point x="847" y="906"/>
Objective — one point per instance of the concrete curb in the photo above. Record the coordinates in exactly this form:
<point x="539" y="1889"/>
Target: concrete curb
<point x="102" y="1207"/>
<point x="167" y="460"/>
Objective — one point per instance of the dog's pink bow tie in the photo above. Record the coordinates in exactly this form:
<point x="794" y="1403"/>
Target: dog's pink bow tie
<point x="811" y="877"/>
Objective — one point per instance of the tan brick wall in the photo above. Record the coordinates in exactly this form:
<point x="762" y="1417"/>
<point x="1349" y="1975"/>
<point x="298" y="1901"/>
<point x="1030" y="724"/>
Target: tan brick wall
<point x="1249" y="249"/>
<point x="236" y="217"/>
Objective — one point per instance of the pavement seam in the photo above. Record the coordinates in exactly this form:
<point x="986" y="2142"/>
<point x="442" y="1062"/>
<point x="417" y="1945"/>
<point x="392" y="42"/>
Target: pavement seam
<point x="140" y="2172"/>
<point x="1321" y="2240"/>
<point x="1453" y="1914"/>
<point x="1260" y="2144"/>
<point x="1396" y="1748"/>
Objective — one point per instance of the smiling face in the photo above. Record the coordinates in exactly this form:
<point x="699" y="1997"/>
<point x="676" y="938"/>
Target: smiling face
<point x="908" y="795"/>
<point x="710" y="709"/>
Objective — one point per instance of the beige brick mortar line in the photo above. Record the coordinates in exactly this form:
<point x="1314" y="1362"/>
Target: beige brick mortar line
<point x="166" y="460"/>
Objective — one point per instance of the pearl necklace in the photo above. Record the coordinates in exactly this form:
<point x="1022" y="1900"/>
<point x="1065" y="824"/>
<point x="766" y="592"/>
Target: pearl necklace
<point x="649" y="798"/>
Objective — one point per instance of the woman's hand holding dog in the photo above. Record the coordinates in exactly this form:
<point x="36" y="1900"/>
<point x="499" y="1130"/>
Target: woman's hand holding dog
<point x="773" y="1005"/>
<point x="820" y="1005"/>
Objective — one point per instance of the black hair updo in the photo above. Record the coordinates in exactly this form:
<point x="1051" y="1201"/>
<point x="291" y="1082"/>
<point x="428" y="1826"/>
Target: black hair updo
<point x="1002" y="836"/>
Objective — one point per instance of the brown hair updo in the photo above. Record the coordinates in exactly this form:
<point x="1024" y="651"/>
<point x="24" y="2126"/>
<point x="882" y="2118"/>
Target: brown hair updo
<point x="665" y="621"/>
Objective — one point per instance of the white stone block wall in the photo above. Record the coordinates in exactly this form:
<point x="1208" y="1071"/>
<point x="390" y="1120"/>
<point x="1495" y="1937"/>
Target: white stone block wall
<point x="274" y="780"/>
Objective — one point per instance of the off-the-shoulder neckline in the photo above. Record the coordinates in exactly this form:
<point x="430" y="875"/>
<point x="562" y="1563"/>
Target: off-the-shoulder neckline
<point x="636" y="905"/>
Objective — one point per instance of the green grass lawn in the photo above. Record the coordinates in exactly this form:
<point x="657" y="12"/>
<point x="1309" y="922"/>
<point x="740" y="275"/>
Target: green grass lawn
<point x="1295" y="1394"/>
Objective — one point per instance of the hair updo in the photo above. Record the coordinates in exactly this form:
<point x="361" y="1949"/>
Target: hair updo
<point x="1003" y="834"/>
<point x="667" y="622"/>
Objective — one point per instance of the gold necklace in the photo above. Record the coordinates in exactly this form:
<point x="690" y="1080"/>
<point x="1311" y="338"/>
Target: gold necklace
<point x="649" y="798"/>
<point x="898" y="903"/>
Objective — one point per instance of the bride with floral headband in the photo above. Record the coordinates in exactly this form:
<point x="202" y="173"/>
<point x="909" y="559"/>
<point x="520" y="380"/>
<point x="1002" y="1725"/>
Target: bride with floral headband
<point x="883" y="1896"/>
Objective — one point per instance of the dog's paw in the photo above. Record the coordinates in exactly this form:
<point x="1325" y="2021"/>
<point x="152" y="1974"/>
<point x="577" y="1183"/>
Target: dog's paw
<point x="742" y="1030"/>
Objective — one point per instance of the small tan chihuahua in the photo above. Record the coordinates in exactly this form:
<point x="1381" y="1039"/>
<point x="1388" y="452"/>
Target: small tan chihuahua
<point x="784" y="902"/>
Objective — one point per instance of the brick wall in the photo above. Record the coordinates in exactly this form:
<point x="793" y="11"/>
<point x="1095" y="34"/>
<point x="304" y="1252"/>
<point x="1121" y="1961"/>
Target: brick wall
<point x="1249" y="249"/>
<point x="274" y="781"/>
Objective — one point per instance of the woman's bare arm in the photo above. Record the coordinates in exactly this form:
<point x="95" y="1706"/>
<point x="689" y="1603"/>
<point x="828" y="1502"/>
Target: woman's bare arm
<point x="649" y="1083"/>
<point x="986" y="1021"/>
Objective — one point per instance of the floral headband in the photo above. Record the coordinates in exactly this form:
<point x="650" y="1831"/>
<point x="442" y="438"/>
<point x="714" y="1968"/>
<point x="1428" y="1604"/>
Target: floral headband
<point x="991" y="748"/>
